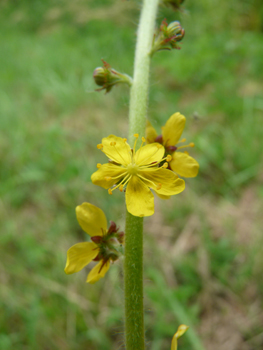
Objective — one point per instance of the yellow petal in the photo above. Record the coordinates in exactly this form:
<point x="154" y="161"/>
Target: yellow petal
<point x="108" y="171"/>
<point x="151" y="134"/>
<point x="168" y="181"/>
<point x="148" y="154"/>
<point x="162" y="196"/>
<point x="173" y="129"/>
<point x="180" y="331"/>
<point x="91" y="219"/>
<point x="98" y="271"/>
<point x="139" y="199"/>
<point x="117" y="149"/>
<point x="184" y="165"/>
<point x="80" y="255"/>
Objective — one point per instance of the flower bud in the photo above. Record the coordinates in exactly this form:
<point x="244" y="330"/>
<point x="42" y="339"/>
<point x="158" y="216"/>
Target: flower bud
<point x="175" y="31"/>
<point x="96" y="239"/>
<point x="167" y="36"/>
<point x="106" y="77"/>
<point x="99" y="76"/>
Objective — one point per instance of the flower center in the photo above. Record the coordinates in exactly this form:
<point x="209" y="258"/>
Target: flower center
<point x="132" y="169"/>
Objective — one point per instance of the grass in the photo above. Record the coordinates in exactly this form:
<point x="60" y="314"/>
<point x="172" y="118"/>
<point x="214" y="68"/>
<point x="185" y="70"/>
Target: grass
<point x="202" y="248"/>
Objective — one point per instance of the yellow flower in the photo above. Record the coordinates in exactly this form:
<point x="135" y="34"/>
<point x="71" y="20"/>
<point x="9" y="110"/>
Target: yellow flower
<point x="181" y="162"/>
<point x="180" y="331"/>
<point x="138" y="171"/>
<point x="103" y="247"/>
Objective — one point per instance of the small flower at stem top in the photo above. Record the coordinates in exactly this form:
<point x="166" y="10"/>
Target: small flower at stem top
<point x="181" y="162"/>
<point x="180" y="331"/>
<point x="107" y="77"/>
<point x="167" y="36"/>
<point x="106" y="245"/>
<point x="136" y="171"/>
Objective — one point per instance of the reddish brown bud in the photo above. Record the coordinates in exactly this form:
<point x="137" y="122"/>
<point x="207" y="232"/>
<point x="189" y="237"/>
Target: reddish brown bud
<point x="112" y="228"/>
<point x="171" y="149"/>
<point x="159" y="139"/>
<point x="96" y="239"/>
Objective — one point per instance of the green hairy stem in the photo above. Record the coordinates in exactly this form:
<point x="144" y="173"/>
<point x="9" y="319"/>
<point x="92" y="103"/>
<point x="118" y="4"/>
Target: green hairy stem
<point x="133" y="264"/>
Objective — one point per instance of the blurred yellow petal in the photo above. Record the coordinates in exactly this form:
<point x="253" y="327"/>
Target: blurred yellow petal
<point x="98" y="271"/>
<point x="117" y="149"/>
<point x="162" y="196"/>
<point x="151" y="134"/>
<point x="173" y="129"/>
<point x="108" y="175"/>
<point x="80" y="255"/>
<point x="139" y="198"/>
<point x="148" y="154"/>
<point x="166" y="182"/>
<point x="180" y="331"/>
<point x="184" y="165"/>
<point x="91" y="219"/>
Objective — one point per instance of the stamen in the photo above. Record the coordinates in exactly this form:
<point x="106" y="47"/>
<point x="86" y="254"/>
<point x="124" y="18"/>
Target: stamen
<point x="168" y="159"/>
<point x="121" y="188"/>
<point x="152" y="165"/>
<point x="134" y="146"/>
<point x="165" y="165"/>
<point x="186" y="153"/>
<point x="143" y="140"/>
<point x="145" y="179"/>
<point x="100" y="146"/>
<point x="109" y="191"/>
<point x="124" y="139"/>
<point x="158" y="146"/>
<point x="98" y="165"/>
<point x="116" y="177"/>
<point x="159" y="186"/>
<point x="107" y="178"/>
<point x="191" y="144"/>
<point x="183" y="140"/>
<point x="113" y="143"/>
<point x="123" y="182"/>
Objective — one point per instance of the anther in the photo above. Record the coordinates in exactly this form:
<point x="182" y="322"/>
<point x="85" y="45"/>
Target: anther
<point x="191" y="144"/>
<point x="100" y="146"/>
<point x="98" y="165"/>
<point x="124" y="139"/>
<point x="183" y="140"/>
<point x="143" y="139"/>
<point x="136" y="135"/>
<point x="107" y="178"/>
<point x="113" y="143"/>
<point x="169" y="158"/>
<point x="165" y="165"/>
<point x="109" y="191"/>
<point x="159" y="186"/>
<point x="121" y="188"/>
<point x="158" y="145"/>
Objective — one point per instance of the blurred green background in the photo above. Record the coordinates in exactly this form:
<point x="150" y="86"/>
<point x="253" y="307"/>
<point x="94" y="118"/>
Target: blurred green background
<point x="203" y="248"/>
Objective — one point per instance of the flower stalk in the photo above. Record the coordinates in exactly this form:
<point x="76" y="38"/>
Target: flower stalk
<point x="133" y="263"/>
